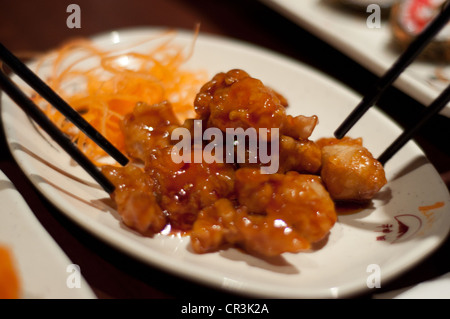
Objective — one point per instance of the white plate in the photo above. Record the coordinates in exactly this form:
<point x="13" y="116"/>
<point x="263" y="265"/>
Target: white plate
<point x="371" y="47"/>
<point x="44" y="271"/>
<point x="340" y="268"/>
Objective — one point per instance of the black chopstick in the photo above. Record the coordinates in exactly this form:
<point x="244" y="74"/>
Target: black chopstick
<point x="30" y="108"/>
<point x="434" y="108"/>
<point x="413" y="50"/>
<point x="54" y="99"/>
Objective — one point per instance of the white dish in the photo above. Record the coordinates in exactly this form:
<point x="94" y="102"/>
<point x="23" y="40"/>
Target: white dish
<point x="340" y="267"/>
<point x="371" y="47"/>
<point x="44" y="271"/>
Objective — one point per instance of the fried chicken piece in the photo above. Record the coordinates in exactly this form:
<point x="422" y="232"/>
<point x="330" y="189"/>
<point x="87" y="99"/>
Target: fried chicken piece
<point x="183" y="189"/>
<point x="236" y="100"/>
<point x="349" y="170"/>
<point x="167" y="192"/>
<point x="135" y="199"/>
<point x="214" y="227"/>
<point x="274" y="214"/>
<point x="223" y="224"/>
<point x="148" y="127"/>
<point x="302" y="155"/>
<point x="300" y="200"/>
<point x="300" y="126"/>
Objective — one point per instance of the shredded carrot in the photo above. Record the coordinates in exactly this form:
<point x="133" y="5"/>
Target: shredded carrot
<point x="115" y="81"/>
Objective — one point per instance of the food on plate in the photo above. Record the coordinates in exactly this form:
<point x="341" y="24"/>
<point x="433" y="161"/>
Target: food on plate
<point x="9" y="277"/>
<point x="220" y="160"/>
<point x="272" y="214"/>
<point x="106" y="84"/>
<point x="222" y="203"/>
<point x="236" y="100"/>
<point x="148" y="127"/>
<point x="135" y="199"/>
<point x="410" y="17"/>
<point x="349" y="171"/>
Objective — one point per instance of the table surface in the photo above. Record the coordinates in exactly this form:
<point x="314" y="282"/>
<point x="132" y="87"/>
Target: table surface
<point x="29" y="26"/>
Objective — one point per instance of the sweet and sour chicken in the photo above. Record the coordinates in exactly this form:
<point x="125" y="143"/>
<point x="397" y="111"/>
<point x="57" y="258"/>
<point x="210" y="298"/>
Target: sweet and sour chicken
<point x="221" y="204"/>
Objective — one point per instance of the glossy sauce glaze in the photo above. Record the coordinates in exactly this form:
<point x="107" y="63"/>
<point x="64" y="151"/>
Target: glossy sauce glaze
<point x="222" y="204"/>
